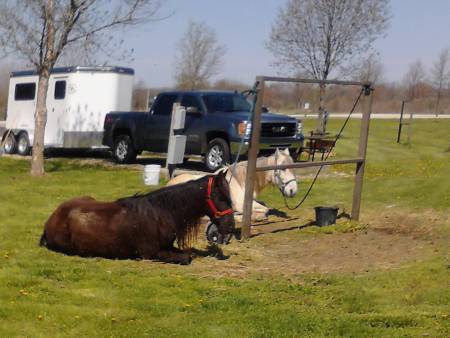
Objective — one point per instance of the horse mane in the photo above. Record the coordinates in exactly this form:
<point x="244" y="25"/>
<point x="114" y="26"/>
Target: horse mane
<point x="240" y="172"/>
<point x="176" y="208"/>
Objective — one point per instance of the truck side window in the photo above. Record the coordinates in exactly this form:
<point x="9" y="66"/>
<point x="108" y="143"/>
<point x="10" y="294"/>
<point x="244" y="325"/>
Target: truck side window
<point x="60" y="90"/>
<point x="191" y="101"/>
<point x="25" y="91"/>
<point x="164" y="104"/>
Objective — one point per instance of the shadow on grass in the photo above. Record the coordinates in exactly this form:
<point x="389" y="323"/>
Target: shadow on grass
<point x="294" y="227"/>
<point x="213" y="250"/>
<point x="104" y="155"/>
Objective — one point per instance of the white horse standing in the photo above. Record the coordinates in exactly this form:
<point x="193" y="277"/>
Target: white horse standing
<point x="284" y="178"/>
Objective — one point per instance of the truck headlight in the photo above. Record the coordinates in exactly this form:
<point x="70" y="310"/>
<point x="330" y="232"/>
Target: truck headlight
<point x="244" y="128"/>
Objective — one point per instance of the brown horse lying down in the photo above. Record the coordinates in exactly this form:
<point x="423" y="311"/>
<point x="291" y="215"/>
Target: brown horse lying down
<point x="141" y="226"/>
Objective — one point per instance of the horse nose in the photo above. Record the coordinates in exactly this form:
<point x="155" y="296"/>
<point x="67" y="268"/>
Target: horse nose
<point x="290" y="191"/>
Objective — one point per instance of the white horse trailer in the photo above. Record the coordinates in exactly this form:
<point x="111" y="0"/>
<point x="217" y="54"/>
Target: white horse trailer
<point x="78" y="99"/>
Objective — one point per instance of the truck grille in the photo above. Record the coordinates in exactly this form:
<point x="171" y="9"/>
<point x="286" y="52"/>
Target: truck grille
<point x="278" y="129"/>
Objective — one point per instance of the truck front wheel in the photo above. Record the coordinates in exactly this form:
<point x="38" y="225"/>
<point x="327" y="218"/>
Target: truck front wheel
<point x="217" y="155"/>
<point x="10" y="143"/>
<point x="124" y="151"/>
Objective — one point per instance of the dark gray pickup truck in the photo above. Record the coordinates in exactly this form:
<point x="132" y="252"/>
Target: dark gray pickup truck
<point x="216" y="122"/>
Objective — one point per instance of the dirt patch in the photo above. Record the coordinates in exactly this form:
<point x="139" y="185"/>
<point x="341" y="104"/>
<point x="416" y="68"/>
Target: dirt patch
<point x="291" y="248"/>
<point x="426" y="225"/>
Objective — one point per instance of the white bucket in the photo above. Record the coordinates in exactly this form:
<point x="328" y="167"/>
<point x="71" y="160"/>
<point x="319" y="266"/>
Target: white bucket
<point x="151" y="174"/>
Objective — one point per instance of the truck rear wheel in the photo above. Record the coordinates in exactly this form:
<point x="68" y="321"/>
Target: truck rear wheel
<point x="23" y="144"/>
<point x="124" y="151"/>
<point x="10" y="143"/>
<point x="217" y="155"/>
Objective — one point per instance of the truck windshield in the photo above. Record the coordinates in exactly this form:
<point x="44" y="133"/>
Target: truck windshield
<point x="225" y="102"/>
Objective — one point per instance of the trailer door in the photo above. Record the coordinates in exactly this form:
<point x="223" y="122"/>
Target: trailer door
<point x="56" y="109"/>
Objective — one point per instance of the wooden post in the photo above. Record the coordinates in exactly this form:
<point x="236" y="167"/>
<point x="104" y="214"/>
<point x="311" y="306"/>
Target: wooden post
<point x="251" y="164"/>
<point x="363" y="138"/>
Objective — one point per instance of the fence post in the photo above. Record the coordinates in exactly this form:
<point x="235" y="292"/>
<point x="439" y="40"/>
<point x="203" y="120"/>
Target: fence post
<point x="363" y="138"/>
<point x="251" y="164"/>
<point x="400" y="123"/>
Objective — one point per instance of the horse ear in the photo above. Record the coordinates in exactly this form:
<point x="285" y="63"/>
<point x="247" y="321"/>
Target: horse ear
<point x="286" y="151"/>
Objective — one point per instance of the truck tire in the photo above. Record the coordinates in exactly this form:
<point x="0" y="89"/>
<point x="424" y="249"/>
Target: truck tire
<point x="23" y="144"/>
<point x="217" y="154"/>
<point x="124" y="151"/>
<point x="10" y="143"/>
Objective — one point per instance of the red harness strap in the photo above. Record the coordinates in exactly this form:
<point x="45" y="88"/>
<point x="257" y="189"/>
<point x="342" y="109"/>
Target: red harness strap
<point x="211" y="204"/>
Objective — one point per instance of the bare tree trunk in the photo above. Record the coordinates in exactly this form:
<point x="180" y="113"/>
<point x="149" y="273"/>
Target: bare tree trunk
<point x="40" y="117"/>
<point x="37" y="159"/>
<point x="320" y="128"/>
<point x="438" y="99"/>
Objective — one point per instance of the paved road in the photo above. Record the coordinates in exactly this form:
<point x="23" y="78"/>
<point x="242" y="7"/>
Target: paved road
<point x="377" y="116"/>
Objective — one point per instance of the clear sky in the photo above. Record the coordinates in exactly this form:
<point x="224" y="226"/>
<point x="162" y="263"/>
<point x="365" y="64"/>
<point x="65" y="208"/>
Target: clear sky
<point x="419" y="29"/>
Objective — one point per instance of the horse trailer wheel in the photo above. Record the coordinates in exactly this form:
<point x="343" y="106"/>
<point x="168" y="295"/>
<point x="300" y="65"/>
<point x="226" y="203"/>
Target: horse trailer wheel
<point x="23" y="145"/>
<point x="124" y="151"/>
<point x="217" y="155"/>
<point x="10" y="145"/>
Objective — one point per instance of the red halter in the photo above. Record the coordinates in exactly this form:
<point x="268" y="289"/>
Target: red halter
<point x="211" y="204"/>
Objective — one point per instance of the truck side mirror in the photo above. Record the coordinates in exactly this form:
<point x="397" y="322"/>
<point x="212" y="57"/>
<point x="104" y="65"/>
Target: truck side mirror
<point x="265" y="109"/>
<point x="192" y="111"/>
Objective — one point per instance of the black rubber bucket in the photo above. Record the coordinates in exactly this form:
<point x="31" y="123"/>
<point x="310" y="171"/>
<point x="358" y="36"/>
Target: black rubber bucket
<point x="326" y="215"/>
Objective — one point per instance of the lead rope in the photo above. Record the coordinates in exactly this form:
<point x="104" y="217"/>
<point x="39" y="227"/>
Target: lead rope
<point x="326" y="157"/>
<point x="253" y="91"/>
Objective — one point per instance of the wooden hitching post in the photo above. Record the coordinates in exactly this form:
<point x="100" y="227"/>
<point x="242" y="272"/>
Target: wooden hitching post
<point x="251" y="164"/>
<point x="363" y="138"/>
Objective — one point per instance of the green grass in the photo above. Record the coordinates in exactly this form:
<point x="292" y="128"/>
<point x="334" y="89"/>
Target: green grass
<point x="412" y="176"/>
<point x="45" y="294"/>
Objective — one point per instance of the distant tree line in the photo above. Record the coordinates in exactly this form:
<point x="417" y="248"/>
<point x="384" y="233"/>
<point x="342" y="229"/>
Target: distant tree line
<point x="426" y="93"/>
<point x="425" y="88"/>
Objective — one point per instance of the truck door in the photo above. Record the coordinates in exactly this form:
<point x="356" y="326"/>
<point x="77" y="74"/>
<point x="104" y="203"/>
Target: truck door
<point x="158" y="126"/>
<point x="193" y="123"/>
<point x="56" y="103"/>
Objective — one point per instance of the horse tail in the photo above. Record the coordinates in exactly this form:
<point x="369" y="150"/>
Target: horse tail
<point x="43" y="240"/>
